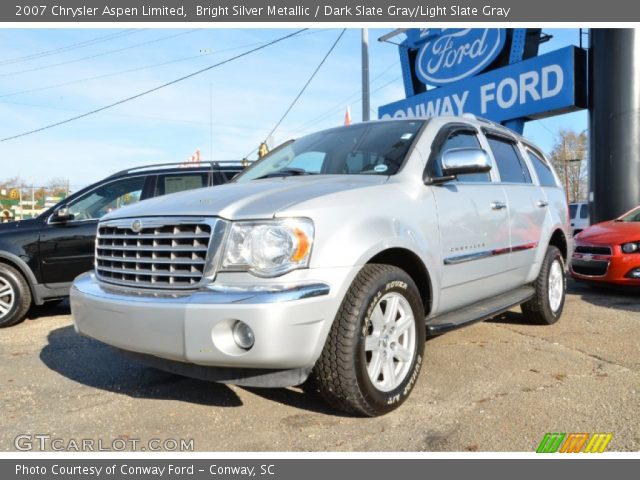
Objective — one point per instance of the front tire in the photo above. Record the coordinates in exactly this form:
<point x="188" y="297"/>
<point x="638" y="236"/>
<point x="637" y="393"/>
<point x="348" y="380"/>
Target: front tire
<point x="15" y="296"/>
<point x="373" y="353"/>
<point x="545" y="308"/>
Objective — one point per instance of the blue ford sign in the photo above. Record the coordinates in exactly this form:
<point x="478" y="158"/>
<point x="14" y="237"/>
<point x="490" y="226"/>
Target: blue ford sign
<point x="534" y="88"/>
<point x="452" y="54"/>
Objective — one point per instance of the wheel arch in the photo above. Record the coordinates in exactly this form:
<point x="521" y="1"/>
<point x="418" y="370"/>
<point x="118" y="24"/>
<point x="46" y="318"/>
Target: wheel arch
<point x="559" y="240"/>
<point x="411" y="263"/>
<point x="21" y="267"/>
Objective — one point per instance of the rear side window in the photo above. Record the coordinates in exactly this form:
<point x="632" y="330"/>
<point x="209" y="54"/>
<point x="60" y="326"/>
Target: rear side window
<point x="545" y="175"/>
<point x="465" y="139"/>
<point x="175" y="182"/>
<point x="510" y="164"/>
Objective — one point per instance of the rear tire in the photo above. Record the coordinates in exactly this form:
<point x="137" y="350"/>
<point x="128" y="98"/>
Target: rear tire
<point x="373" y="354"/>
<point x="15" y="296"/>
<point x="545" y="308"/>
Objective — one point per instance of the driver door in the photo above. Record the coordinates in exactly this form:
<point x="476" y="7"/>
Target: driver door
<point x="473" y="225"/>
<point x="67" y="247"/>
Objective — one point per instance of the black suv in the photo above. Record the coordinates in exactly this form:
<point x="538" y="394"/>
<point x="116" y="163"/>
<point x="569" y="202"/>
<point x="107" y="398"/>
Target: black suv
<point x="40" y="257"/>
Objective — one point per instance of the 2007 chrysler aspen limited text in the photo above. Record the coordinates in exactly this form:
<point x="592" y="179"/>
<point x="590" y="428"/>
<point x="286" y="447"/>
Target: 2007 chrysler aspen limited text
<point x="329" y="261"/>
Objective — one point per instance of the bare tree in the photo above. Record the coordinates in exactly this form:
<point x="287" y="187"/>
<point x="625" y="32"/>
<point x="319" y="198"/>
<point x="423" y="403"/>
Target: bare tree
<point x="569" y="157"/>
<point x="58" y="187"/>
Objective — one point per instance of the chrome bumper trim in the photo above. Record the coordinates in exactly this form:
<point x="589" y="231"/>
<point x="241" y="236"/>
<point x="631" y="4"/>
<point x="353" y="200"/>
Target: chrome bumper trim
<point x="211" y="295"/>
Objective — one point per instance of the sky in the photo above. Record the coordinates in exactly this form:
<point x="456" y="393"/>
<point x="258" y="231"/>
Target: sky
<point x="49" y="75"/>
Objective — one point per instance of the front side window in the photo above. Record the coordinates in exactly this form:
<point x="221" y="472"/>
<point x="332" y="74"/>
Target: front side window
<point x="584" y="211"/>
<point x="510" y="165"/>
<point x="378" y="148"/>
<point x="107" y="198"/>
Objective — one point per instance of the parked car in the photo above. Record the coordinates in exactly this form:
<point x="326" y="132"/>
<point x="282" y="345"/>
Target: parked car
<point x="578" y="216"/>
<point x="330" y="260"/>
<point x="40" y="257"/>
<point x="609" y="252"/>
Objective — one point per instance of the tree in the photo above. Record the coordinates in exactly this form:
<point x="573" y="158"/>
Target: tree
<point x="58" y="187"/>
<point x="569" y="157"/>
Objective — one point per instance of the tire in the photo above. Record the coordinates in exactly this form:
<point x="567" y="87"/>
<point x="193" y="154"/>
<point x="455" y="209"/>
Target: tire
<point x="15" y="296"/>
<point x="545" y="308"/>
<point x="361" y="336"/>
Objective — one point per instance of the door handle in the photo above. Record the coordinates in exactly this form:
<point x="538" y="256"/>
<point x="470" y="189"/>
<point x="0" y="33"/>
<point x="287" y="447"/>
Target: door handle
<point x="498" y="205"/>
<point x="542" y="203"/>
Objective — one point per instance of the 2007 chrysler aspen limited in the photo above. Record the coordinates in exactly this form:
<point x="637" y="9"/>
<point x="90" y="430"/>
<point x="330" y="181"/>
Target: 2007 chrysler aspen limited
<point x="329" y="261"/>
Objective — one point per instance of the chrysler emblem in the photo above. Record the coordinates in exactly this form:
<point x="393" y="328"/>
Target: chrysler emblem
<point x="136" y="226"/>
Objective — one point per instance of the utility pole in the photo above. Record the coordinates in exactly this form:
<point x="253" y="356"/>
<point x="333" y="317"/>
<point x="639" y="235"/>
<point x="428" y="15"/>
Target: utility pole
<point x="566" y="169"/>
<point x="211" y="121"/>
<point x="365" y="75"/>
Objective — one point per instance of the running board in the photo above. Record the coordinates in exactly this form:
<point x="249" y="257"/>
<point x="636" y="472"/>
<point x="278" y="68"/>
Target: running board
<point x="478" y="311"/>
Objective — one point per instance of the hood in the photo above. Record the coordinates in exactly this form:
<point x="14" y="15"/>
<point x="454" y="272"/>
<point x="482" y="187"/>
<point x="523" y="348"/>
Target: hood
<point x="255" y="199"/>
<point x="609" y="233"/>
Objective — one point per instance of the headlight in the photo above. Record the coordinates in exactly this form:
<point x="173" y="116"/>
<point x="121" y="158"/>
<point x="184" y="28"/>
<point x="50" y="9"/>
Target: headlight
<point x="268" y="248"/>
<point x="630" y="247"/>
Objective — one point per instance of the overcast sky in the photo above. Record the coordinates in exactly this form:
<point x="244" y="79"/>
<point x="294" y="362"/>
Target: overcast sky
<point x="244" y="98"/>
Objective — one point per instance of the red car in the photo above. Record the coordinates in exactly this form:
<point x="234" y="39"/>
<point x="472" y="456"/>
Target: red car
<point x="609" y="252"/>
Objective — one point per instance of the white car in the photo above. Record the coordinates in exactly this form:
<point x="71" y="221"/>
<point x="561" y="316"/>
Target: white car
<point x="331" y="259"/>
<point x="579" y="217"/>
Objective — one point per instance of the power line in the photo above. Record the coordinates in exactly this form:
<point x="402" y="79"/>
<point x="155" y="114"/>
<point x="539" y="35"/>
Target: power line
<point x="70" y="47"/>
<point x="341" y="104"/>
<point x="151" y="90"/>
<point x="350" y="98"/>
<point x="109" y="52"/>
<point x="354" y="97"/>
<point x="307" y="84"/>
<point x="146" y="67"/>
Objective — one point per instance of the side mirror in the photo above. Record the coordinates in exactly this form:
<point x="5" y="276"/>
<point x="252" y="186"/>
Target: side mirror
<point x="459" y="161"/>
<point x="62" y="215"/>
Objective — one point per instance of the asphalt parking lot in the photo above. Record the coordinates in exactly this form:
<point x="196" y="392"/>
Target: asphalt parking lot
<point x="495" y="386"/>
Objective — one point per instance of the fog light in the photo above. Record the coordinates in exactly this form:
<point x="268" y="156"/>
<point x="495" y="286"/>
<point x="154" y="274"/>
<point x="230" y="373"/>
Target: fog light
<point x="635" y="273"/>
<point x="243" y="335"/>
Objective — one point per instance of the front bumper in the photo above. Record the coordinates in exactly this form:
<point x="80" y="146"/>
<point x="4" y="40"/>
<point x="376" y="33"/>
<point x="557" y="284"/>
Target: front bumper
<point x="612" y="269"/>
<point x="290" y="321"/>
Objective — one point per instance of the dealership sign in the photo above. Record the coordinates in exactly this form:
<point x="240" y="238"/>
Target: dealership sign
<point x="538" y="87"/>
<point x="451" y="54"/>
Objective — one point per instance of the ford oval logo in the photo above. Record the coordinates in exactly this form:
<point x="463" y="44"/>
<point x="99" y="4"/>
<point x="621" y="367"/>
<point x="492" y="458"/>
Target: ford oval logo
<point x="452" y="54"/>
<point x="136" y="226"/>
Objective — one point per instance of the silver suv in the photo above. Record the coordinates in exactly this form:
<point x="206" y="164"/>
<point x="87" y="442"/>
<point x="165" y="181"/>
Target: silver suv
<point x="329" y="262"/>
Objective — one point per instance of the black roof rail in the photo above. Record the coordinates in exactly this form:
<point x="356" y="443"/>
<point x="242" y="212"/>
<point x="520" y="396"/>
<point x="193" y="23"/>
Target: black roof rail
<point x="212" y="164"/>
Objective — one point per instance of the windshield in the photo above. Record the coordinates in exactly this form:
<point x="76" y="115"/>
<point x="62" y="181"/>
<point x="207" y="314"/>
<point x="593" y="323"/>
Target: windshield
<point x="572" y="210"/>
<point x="377" y="148"/>
<point x="632" y="216"/>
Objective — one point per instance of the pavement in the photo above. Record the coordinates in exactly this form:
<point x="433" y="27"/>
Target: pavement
<point x="494" y="386"/>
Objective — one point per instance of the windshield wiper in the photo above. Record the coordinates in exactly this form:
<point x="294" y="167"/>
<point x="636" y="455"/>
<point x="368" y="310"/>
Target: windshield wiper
<point x="285" y="172"/>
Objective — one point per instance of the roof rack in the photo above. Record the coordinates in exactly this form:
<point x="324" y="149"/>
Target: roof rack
<point x="212" y="164"/>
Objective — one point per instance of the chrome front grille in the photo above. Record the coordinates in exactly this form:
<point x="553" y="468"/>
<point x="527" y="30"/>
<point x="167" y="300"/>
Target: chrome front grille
<point x="156" y="253"/>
